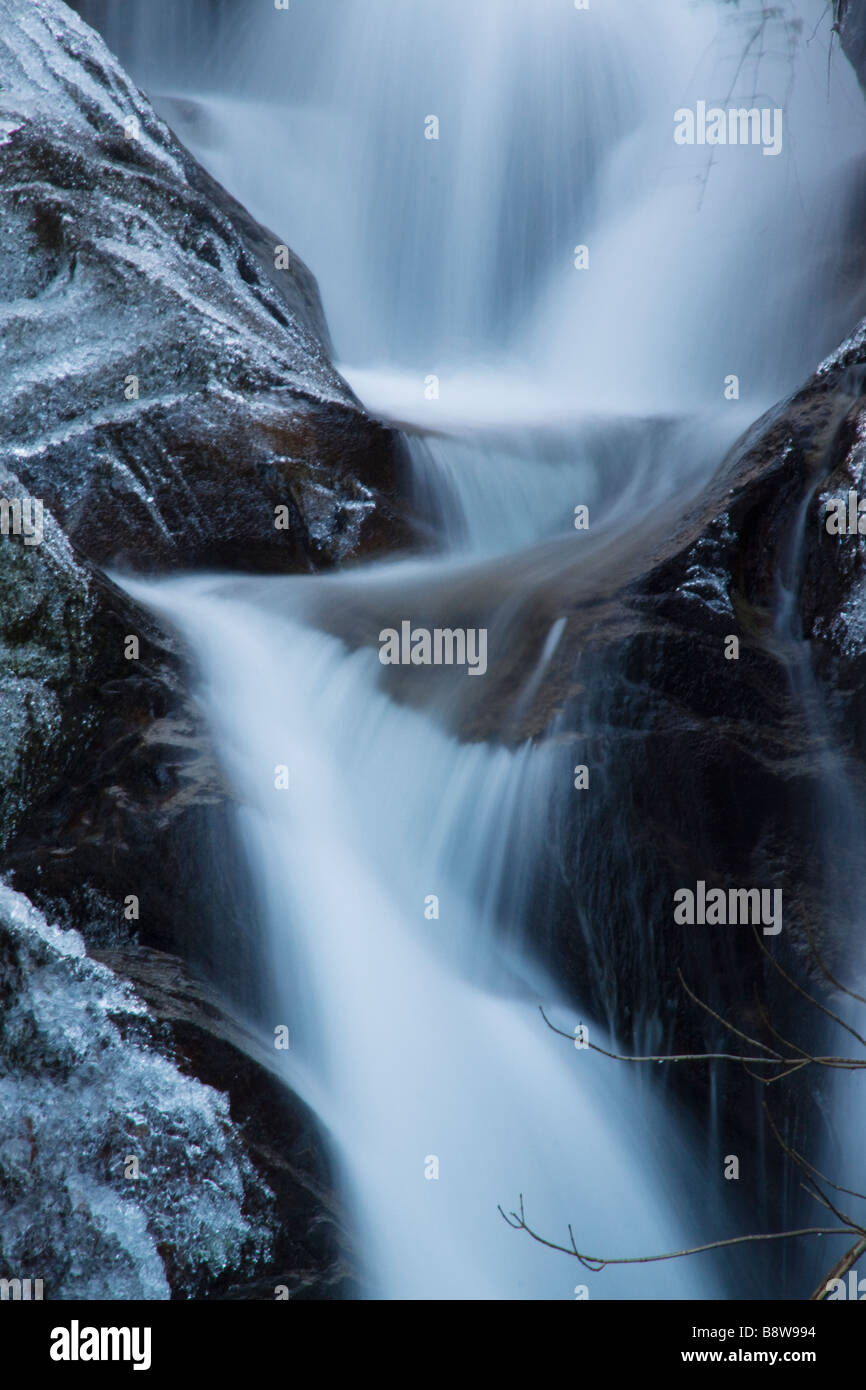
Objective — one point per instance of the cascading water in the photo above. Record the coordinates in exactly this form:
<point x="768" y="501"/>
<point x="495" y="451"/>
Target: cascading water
<point x="448" y="274"/>
<point x="418" y="1039"/>
<point x="454" y="258"/>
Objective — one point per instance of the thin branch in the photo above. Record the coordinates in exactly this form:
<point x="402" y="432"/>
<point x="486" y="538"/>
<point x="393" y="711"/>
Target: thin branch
<point x="818" y="1005"/>
<point x="849" y="1191"/>
<point x="846" y="1063"/>
<point x="595" y="1263"/>
<point x="837" y="984"/>
<point x="795" y="1159"/>
<point x="780" y="1076"/>
<point x="765" y="1019"/>
<point x="673" y="1057"/>
<point x="723" y="1021"/>
<point x="847" y="1262"/>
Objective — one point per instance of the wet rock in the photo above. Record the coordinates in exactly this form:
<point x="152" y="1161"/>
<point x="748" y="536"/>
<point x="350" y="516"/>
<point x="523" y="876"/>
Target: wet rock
<point x="108" y="784"/>
<point x="727" y="771"/>
<point x="119" y="1176"/>
<point x="166" y="384"/>
<point x="45" y="651"/>
<point x="308" y="1240"/>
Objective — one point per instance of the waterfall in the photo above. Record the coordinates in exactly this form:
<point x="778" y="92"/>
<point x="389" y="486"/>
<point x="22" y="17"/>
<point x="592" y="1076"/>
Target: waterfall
<point x="417" y="1039"/>
<point x="555" y="130"/>
<point x="438" y="167"/>
<point x="454" y="258"/>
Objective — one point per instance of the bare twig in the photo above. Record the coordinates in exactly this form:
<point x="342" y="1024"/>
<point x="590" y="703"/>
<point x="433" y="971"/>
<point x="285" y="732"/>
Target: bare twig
<point x="799" y="990"/>
<point x="789" y="1065"/>
<point x="723" y="1021"/>
<point x="794" y="1063"/>
<point x="852" y="994"/>
<point x="847" y="1262"/>
<point x="814" y="1187"/>
<point x="595" y="1263"/>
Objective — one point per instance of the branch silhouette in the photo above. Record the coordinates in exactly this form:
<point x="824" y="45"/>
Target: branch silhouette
<point x="792" y="1058"/>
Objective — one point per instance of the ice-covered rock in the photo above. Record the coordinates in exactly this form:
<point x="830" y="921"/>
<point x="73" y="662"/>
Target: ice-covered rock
<point x="45" y="646"/>
<point x="165" y="382"/>
<point x="105" y="770"/>
<point x="120" y="1177"/>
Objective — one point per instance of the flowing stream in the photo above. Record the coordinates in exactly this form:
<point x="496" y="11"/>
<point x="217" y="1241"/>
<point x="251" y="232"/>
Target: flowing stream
<point x="395" y="871"/>
<point x="418" y="1040"/>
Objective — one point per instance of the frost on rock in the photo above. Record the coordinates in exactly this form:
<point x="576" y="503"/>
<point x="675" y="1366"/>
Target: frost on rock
<point x="84" y="1089"/>
<point x="842" y="626"/>
<point x="707" y="577"/>
<point x="160" y="380"/>
<point x="851" y="350"/>
<point x="45" y="646"/>
<point x="848" y="628"/>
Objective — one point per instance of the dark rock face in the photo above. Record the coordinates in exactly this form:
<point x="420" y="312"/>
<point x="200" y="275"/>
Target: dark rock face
<point x="105" y="769"/>
<point x="167" y="386"/>
<point x="45" y="650"/>
<point x="742" y="774"/>
<point x="108" y="783"/>
<point x="730" y="777"/>
<point x="111" y="788"/>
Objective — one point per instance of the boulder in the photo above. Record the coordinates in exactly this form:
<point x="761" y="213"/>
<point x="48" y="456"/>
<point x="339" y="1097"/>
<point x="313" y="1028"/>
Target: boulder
<point x="166" y="383"/>
<point x="309" y="1250"/>
<point x="119" y="1176"/>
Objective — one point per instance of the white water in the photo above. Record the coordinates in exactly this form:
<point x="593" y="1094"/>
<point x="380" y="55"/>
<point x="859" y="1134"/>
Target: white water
<point x="556" y="129"/>
<point x="454" y="257"/>
<point x="411" y="1037"/>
